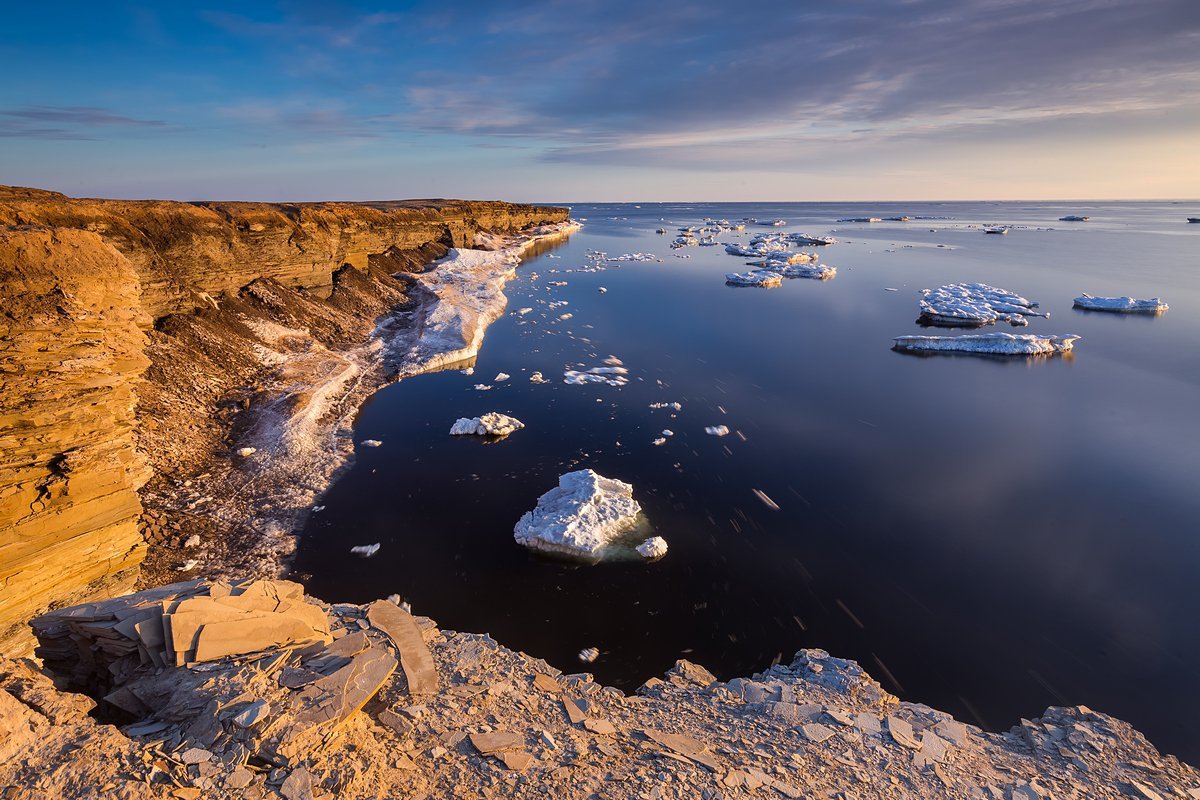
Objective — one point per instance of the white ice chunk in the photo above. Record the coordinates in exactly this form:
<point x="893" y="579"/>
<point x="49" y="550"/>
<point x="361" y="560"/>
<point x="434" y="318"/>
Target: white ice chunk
<point x="589" y="654"/>
<point x="717" y="430"/>
<point x="501" y="377"/>
<point x="611" y="376"/>
<point x="371" y="443"/>
<point x="482" y="387"/>
<point x="821" y="272"/>
<point x="672" y="406"/>
<point x="537" y="377"/>
<point x="974" y="304"/>
<point x="1125" y="305"/>
<point x="654" y="547"/>
<point x="660" y="441"/>
<point x="365" y="550"/>
<point x="585" y="516"/>
<point x="1073" y="218"/>
<point x="988" y="343"/>
<point x="759" y="277"/>
<point x="491" y="424"/>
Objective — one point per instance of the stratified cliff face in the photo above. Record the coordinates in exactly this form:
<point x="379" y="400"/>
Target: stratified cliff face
<point x="69" y="473"/>
<point x="92" y="292"/>
<point x="182" y="249"/>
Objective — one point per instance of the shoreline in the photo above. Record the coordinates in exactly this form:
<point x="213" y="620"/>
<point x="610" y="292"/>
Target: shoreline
<point x="302" y="438"/>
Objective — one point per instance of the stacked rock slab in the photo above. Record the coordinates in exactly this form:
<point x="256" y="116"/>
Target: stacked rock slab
<point x="71" y="355"/>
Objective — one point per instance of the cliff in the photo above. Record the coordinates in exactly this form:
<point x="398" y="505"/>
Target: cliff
<point x="134" y="332"/>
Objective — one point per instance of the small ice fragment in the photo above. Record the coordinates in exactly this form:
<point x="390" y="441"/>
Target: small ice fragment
<point x="660" y="441"/>
<point x="1124" y="305"/>
<point x="520" y="312"/>
<point x="890" y="289"/>
<point x="1073" y="218"/>
<point x="589" y="654"/>
<point x="245" y="452"/>
<point x="371" y="443"/>
<point x="318" y="509"/>
<point x="767" y="501"/>
<point x="672" y="406"/>
<point x="483" y="387"/>
<point x="613" y="361"/>
<point x="188" y="565"/>
<point x="761" y="277"/>
<point x="468" y="371"/>
<point x="602" y="290"/>
<point x="365" y="550"/>
<point x="717" y="430"/>
<point x="501" y="377"/>
<point x="537" y="377"/>
<point x="654" y="547"/>
<point x="491" y="424"/>
<point x="668" y="432"/>
<point x="565" y="316"/>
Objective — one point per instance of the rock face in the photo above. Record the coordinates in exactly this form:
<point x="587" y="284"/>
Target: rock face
<point x="395" y="707"/>
<point x="582" y="517"/>
<point x="134" y="334"/>
<point x="69" y="473"/>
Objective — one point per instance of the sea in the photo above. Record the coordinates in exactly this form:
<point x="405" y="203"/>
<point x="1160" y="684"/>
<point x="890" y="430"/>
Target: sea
<point x="986" y="535"/>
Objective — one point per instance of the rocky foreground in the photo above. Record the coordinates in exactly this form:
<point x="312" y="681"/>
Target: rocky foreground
<point x="257" y="691"/>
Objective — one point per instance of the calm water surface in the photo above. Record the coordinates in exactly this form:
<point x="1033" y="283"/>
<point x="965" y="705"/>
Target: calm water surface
<point x="986" y="536"/>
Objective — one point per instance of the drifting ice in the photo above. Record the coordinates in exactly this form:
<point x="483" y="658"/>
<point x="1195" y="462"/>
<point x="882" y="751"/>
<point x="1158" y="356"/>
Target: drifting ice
<point x="988" y="343"/>
<point x="365" y="550"/>
<point x="975" y="304"/>
<point x="1126" y="305"/>
<point x="612" y="376"/>
<point x="491" y="424"/>
<point x="717" y="430"/>
<point x="760" y="277"/>
<point x="585" y="516"/>
<point x="654" y="547"/>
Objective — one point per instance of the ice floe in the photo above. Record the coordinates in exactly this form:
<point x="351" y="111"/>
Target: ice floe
<point x="371" y="443"/>
<point x="988" y="343"/>
<point x="586" y="516"/>
<point x="717" y="430"/>
<point x="1073" y="218"/>
<point x="1124" y="305"/>
<point x="672" y="406"/>
<point x="821" y="272"/>
<point x="365" y="550"/>
<point x="491" y="424"/>
<point x="612" y="376"/>
<point x="759" y="277"/>
<point x="973" y="305"/>
<point x="537" y="377"/>
<point x="501" y="377"/>
<point x="654" y="547"/>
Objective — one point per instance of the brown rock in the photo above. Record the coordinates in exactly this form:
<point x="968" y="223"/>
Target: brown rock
<point x="489" y="743"/>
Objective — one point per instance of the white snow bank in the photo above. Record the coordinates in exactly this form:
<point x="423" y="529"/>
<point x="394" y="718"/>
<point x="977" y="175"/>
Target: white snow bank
<point x="759" y="277"/>
<point x="586" y="516"/>
<point x="988" y="343"/>
<point x="491" y="424"/>
<point x="1126" y="305"/>
<point x="973" y="305"/>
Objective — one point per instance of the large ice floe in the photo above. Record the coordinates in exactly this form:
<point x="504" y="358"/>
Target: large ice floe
<point x="1001" y="344"/>
<point x="491" y="424"/>
<point x="1123" y="305"/>
<point x="971" y="305"/>
<point x="587" y="517"/>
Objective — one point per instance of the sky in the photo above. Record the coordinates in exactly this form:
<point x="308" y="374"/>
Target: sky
<point x="604" y="100"/>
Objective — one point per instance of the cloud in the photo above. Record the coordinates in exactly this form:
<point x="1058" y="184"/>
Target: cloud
<point x="65" y="122"/>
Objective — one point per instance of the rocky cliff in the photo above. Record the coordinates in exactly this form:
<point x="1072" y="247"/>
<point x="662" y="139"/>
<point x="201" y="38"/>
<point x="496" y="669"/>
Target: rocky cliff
<point x="132" y="333"/>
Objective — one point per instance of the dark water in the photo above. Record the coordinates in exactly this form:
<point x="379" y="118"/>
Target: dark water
<point x="986" y="536"/>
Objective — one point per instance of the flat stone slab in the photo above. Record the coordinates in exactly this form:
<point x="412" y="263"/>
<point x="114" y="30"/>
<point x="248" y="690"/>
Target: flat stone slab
<point x="415" y="658"/>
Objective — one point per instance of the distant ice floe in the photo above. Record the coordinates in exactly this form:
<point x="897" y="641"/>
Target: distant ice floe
<point x="1073" y="218"/>
<point x="717" y="430"/>
<point x="537" y="377"/>
<point x="365" y="550"/>
<point x="491" y="424"/>
<point x="371" y="443"/>
<point x="861" y="219"/>
<point x="1124" y="305"/>
<point x="1005" y="344"/>
<point x="759" y="277"/>
<point x="501" y="377"/>
<point x="672" y="406"/>
<point x="587" y="516"/>
<point x="822" y="272"/>
<point x="971" y="305"/>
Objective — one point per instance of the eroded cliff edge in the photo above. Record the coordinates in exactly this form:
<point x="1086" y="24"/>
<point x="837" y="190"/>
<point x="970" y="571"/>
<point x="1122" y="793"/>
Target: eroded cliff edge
<point x="137" y="337"/>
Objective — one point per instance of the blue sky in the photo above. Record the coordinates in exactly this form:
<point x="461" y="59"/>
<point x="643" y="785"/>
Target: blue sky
<point x="607" y="100"/>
